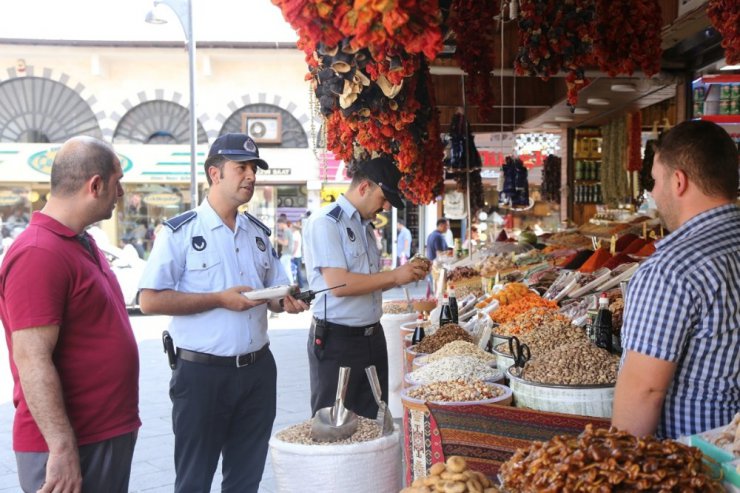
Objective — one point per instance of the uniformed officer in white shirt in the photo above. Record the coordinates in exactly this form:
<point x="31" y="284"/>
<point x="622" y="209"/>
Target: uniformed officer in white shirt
<point x="223" y="383"/>
<point x="339" y="248"/>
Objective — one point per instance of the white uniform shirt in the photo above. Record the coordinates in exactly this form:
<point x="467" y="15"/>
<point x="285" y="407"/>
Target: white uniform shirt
<point x="201" y="255"/>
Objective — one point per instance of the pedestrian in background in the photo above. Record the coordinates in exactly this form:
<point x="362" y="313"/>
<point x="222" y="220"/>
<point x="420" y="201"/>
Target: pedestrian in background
<point x="403" y="243"/>
<point x="297" y="260"/>
<point x="340" y="250"/>
<point x="74" y="358"/>
<point x="436" y="242"/>
<point x="223" y="383"/>
<point x="286" y="242"/>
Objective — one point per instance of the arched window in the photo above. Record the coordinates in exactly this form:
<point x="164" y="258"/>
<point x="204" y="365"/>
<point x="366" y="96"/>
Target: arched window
<point x="156" y="122"/>
<point x="291" y="133"/>
<point x="34" y="109"/>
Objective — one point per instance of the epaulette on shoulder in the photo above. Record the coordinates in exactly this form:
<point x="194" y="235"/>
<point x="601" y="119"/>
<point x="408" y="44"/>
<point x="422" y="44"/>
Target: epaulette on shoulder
<point x="335" y="213"/>
<point x="175" y="223"/>
<point x="258" y="223"/>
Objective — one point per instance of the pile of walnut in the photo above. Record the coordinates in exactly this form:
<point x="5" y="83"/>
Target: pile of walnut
<point x="607" y="460"/>
<point x="452" y="477"/>
<point x="422" y="261"/>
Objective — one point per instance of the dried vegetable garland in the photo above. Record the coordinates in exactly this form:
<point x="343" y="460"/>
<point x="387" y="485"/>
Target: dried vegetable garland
<point x="556" y="36"/>
<point x="373" y="85"/>
<point x="725" y="17"/>
<point x="607" y="460"/>
<point x="628" y="36"/>
<point x="550" y="189"/>
<point x="634" y="145"/>
<point x="614" y="186"/>
<point x="475" y="30"/>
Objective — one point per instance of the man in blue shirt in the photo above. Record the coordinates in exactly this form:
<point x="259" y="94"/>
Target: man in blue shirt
<point x="223" y="384"/>
<point x="680" y="373"/>
<point x="436" y="242"/>
<point x="340" y="249"/>
<point x="403" y="243"/>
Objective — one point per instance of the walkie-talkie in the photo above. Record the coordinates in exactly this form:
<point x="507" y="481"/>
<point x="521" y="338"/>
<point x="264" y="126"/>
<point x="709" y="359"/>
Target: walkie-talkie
<point x="308" y="296"/>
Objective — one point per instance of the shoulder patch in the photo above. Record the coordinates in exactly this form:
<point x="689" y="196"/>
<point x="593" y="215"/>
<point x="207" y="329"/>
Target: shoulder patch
<point x="335" y="213"/>
<point x="175" y="223"/>
<point x="258" y="223"/>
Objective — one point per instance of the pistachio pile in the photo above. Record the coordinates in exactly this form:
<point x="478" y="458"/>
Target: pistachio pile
<point x="547" y="338"/>
<point x="456" y="391"/>
<point x="367" y="429"/>
<point x="577" y="363"/>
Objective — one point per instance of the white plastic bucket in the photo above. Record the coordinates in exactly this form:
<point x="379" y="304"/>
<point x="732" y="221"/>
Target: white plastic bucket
<point x="581" y="400"/>
<point x="365" y="467"/>
<point x="392" y="328"/>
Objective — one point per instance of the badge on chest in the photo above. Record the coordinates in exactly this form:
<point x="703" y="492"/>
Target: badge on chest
<point x="199" y="243"/>
<point x="260" y="244"/>
<point x="351" y="234"/>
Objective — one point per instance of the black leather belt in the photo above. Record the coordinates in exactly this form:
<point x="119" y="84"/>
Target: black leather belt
<point x="233" y="361"/>
<point x="346" y="330"/>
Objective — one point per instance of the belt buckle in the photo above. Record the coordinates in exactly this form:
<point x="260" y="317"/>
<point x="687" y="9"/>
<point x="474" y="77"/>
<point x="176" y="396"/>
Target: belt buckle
<point x="369" y="331"/>
<point x="249" y="359"/>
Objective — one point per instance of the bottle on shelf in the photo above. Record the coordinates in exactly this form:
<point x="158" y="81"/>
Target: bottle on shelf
<point x="453" y="303"/>
<point x="418" y="330"/>
<point x="603" y="324"/>
<point x="445" y="314"/>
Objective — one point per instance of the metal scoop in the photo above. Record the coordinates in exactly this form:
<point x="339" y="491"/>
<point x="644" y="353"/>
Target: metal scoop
<point x="383" y="418"/>
<point x="336" y="422"/>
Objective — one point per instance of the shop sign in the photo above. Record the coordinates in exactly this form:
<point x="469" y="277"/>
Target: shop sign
<point x="275" y="172"/>
<point x="42" y="161"/>
<point x="162" y="199"/>
<point x="9" y="197"/>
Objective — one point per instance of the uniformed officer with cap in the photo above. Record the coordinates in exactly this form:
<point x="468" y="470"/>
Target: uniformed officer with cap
<point x="340" y="248"/>
<point x="223" y="384"/>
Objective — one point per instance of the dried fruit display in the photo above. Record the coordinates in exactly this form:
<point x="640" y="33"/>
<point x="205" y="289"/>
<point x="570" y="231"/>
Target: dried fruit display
<point x="607" y="460"/>
<point x="725" y="17"/>
<point x="628" y="36"/>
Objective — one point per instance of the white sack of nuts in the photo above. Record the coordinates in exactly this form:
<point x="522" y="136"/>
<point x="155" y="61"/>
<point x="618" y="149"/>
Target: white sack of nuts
<point x="367" y="429"/>
<point x="452" y="476"/>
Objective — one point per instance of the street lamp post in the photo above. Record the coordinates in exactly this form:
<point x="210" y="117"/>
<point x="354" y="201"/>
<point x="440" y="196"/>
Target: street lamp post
<point x="184" y="11"/>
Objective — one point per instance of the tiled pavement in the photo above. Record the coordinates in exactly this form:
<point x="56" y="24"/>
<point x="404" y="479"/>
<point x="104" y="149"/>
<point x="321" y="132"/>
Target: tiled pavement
<point x="153" y="469"/>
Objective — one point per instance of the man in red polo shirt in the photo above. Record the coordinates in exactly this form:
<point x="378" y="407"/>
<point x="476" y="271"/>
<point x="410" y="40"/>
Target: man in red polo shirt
<point x="74" y="358"/>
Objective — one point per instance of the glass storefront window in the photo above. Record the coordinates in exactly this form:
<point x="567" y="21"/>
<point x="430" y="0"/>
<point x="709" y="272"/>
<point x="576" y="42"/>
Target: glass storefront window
<point x="15" y="211"/>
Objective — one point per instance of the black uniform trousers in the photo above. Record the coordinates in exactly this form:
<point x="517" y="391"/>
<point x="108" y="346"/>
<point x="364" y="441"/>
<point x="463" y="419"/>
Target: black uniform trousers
<point x="344" y="347"/>
<point x="222" y="410"/>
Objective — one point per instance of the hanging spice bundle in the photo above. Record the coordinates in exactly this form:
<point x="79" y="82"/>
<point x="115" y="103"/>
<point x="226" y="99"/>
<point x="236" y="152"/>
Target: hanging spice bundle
<point x="550" y="189"/>
<point x="614" y="185"/>
<point x="628" y="36"/>
<point x="634" y="144"/>
<point x="725" y="17"/>
<point x="475" y="30"/>
<point x="556" y="36"/>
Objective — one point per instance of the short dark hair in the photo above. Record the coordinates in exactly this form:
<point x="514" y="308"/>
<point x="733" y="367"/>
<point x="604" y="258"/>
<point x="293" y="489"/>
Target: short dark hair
<point x="217" y="160"/>
<point x="706" y="153"/>
<point x="80" y="159"/>
<point x="357" y="175"/>
<point x="441" y="221"/>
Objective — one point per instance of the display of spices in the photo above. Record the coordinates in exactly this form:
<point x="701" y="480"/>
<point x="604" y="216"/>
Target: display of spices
<point x="617" y="260"/>
<point x="577" y="259"/>
<point x="607" y="460"/>
<point x="624" y="241"/>
<point x="634" y="246"/>
<point x="367" y="429"/>
<point x="456" y="391"/>
<point x="577" y="363"/>
<point x="445" y="334"/>
<point x="458" y="348"/>
<point x="533" y="319"/>
<point x="646" y="250"/>
<point x="454" y="368"/>
<point x="570" y="240"/>
<point x="595" y="261"/>
<point x="460" y="273"/>
<point x="530" y="300"/>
